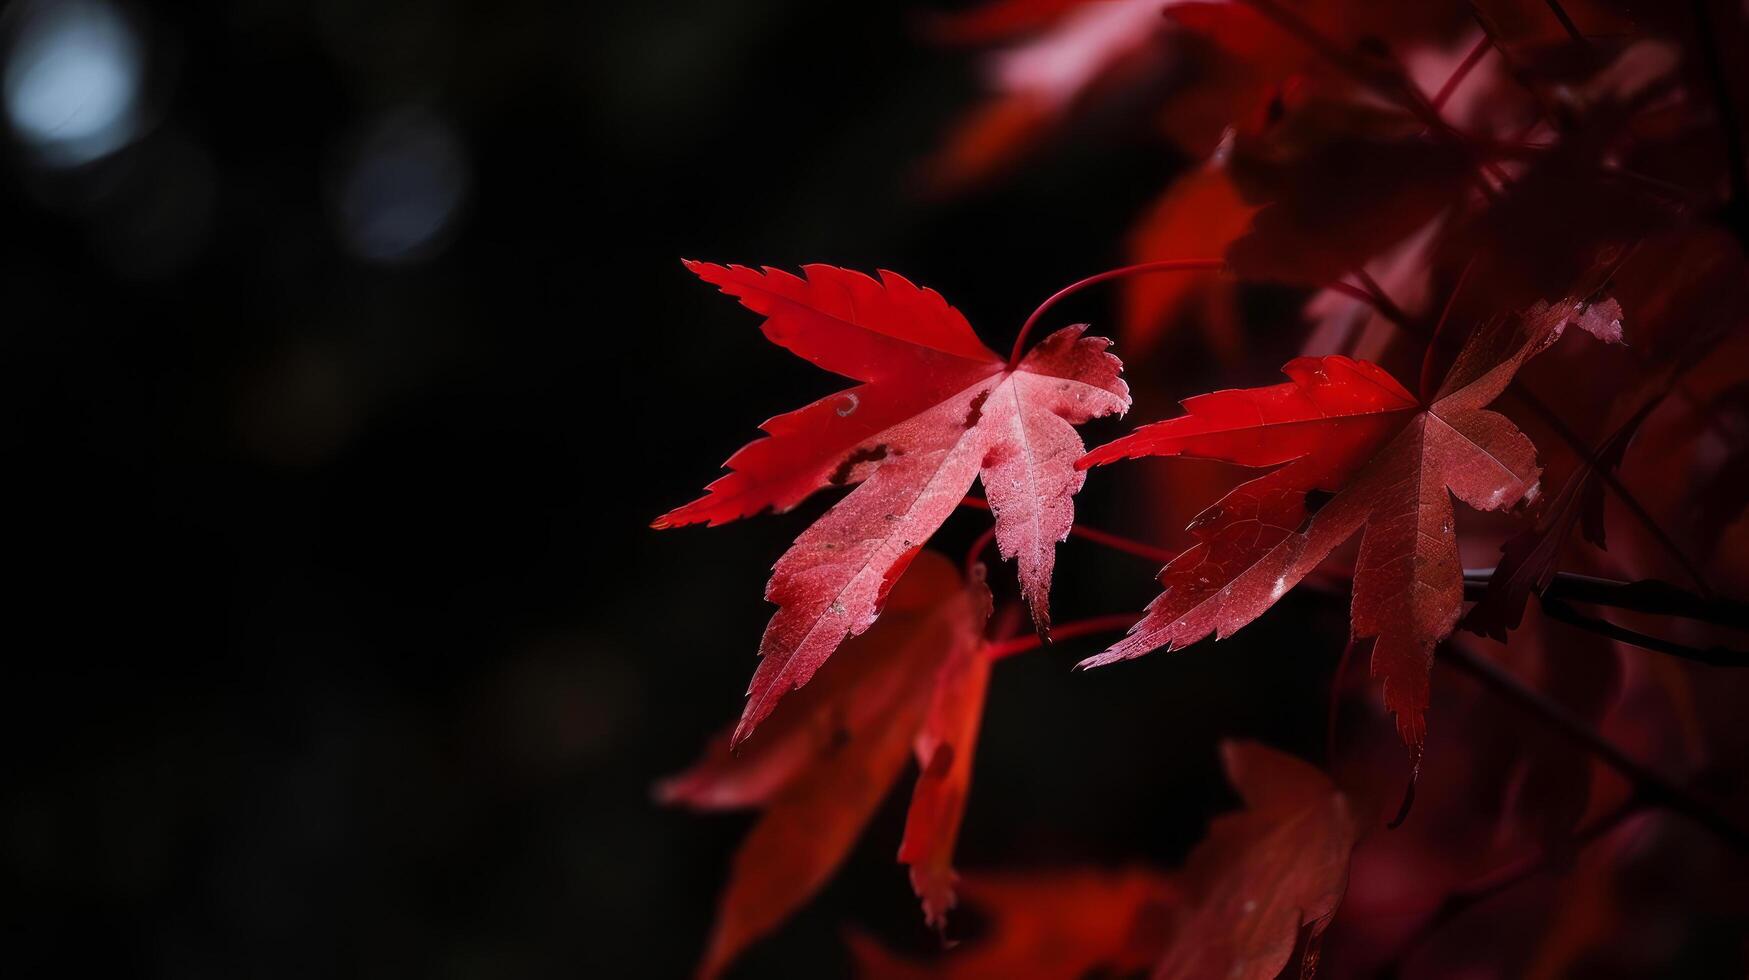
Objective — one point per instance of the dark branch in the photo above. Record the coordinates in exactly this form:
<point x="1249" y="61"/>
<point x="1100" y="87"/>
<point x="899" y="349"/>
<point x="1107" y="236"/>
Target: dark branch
<point x="1649" y="785"/>
<point x="1713" y="656"/>
<point x="1647" y="596"/>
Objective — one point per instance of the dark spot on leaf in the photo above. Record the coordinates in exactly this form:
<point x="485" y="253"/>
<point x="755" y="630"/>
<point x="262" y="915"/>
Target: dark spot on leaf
<point x="940" y="762"/>
<point x="841" y="475"/>
<point x="976" y="411"/>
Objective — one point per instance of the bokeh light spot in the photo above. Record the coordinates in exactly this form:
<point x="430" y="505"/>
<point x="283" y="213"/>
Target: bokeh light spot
<point x="402" y="187"/>
<point x="72" y="81"/>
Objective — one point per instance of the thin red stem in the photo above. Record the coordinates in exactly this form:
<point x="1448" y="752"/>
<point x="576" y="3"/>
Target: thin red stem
<point x="1163" y="265"/>
<point x="1116" y="542"/>
<point x="976" y="551"/>
<point x="1064" y="631"/>
<point x="1382" y="302"/>
<point x="1355" y="292"/>
<point x="1471" y="60"/>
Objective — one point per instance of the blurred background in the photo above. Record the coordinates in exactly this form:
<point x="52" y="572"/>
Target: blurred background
<point x="347" y="357"/>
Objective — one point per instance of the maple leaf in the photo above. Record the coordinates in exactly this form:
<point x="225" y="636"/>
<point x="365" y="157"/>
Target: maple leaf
<point x="1266" y="881"/>
<point x="1347" y="428"/>
<point x="828" y="756"/>
<point x="935" y="411"/>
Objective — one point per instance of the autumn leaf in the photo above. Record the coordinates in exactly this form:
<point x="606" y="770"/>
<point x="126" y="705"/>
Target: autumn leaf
<point x="1346" y="428"/>
<point x="830" y="754"/>
<point x="1265" y="882"/>
<point x="935" y="410"/>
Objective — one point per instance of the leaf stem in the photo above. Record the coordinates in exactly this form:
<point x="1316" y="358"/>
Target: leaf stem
<point x="1649" y="785"/>
<point x="1483" y="45"/>
<point x="1380" y="300"/>
<point x="1064" y="631"/>
<point x="1373" y="297"/>
<point x="976" y="551"/>
<point x="1162" y="265"/>
<point x="1116" y="542"/>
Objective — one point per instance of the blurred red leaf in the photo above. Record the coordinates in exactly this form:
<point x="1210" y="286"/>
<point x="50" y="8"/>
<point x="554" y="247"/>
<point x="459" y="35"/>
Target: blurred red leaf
<point x="1200" y="214"/>
<point x="1046" y="925"/>
<point x="1265" y="882"/>
<point x="829" y="755"/>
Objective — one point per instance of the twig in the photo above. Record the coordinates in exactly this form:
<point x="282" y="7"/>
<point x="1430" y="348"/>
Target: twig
<point x="1567" y="24"/>
<point x="1628" y="500"/>
<point x="1653" y="787"/>
<point x="1646" y="596"/>
<point x="1381" y="301"/>
<point x="1713" y="656"/>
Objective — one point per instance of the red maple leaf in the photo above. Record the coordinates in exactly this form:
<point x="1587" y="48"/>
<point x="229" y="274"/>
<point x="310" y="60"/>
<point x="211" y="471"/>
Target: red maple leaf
<point x="1347" y="428"/>
<point x="827" y="757"/>
<point x="936" y="409"/>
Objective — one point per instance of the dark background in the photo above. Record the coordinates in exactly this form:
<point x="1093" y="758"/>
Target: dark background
<point x="340" y="644"/>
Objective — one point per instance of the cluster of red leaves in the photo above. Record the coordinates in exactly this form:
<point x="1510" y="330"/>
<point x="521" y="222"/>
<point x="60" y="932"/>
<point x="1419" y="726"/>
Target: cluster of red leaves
<point x="1454" y="184"/>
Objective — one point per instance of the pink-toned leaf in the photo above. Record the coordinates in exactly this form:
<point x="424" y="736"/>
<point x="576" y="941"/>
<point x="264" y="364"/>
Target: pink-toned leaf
<point x="936" y="411"/>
